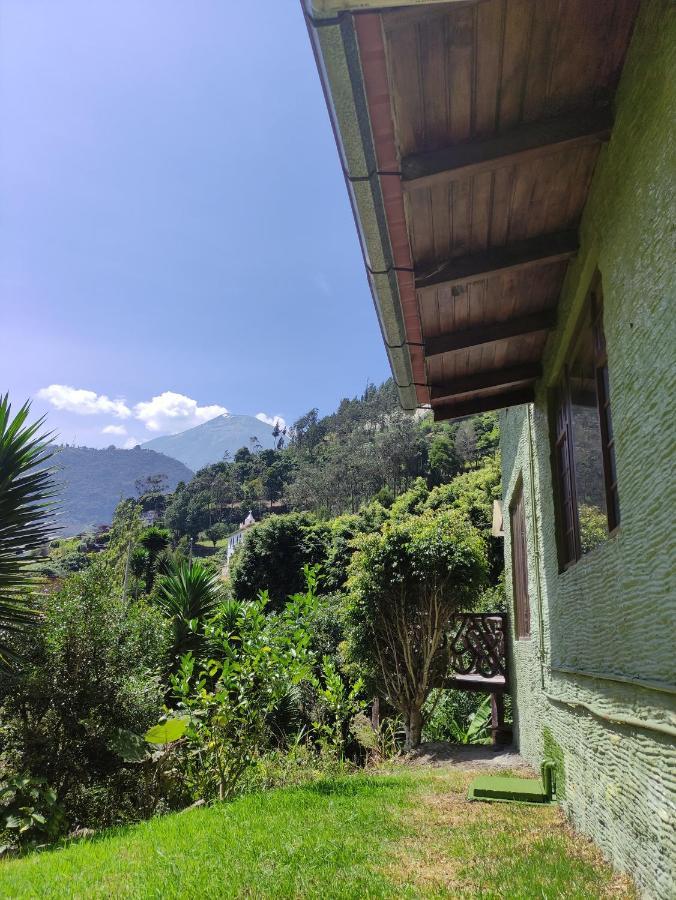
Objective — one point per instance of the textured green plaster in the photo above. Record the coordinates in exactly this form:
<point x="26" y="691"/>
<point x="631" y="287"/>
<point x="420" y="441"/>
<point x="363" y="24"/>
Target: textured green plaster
<point x="597" y="679"/>
<point x="554" y="754"/>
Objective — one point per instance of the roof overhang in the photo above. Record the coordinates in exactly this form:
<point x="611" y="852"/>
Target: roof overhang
<point x="468" y="132"/>
<point x="331" y="8"/>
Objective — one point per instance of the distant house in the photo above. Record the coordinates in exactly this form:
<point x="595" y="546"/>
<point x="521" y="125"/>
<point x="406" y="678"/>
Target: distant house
<point x="235" y="539"/>
<point x="511" y="167"/>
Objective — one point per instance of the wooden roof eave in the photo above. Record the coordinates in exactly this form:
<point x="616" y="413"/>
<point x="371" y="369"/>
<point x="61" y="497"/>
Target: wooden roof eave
<point x="322" y="9"/>
<point x="336" y="52"/>
<point x="484" y="350"/>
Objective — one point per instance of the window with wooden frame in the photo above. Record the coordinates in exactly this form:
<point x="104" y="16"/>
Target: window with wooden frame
<point x="517" y="530"/>
<point x="583" y="455"/>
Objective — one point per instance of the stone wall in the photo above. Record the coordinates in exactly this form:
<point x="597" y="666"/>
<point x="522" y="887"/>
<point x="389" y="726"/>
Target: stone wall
<point x="597" y="678"/>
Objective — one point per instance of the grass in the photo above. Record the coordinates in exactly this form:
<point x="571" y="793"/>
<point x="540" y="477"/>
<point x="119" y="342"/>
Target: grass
<point x="208" y="545"/>
<point x="405" y="834"/>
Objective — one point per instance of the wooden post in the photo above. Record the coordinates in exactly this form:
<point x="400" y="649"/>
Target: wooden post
<point x="499" y="733"/>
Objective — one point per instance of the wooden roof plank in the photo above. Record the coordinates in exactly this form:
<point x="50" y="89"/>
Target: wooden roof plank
<point x="536" y="251"/>
<point x="522" y="144"/>
<point x="481" y="381"/>
<point x="486" y="334"/>
<point x="484" y="404"/>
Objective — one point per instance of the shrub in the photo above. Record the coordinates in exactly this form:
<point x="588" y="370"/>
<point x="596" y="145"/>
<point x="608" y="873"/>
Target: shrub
<point x="29" y="813"/>
<point x="337" y="704"/>
<point x="227" y="698"/>
<point x="457" y="716"/>
<point x="92" y="670"/>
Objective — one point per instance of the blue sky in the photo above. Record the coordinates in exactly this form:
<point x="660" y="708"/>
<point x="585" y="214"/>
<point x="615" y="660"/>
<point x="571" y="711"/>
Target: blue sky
<point x="176" y="234"/>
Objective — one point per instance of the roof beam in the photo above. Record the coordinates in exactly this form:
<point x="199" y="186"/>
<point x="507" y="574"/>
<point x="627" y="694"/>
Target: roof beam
<point x="481" y="381"/>
<point x="484" y="404"/>
<point x="486" y="334"/>
<point x="538" y="251"/>
<point x="520" y="145"/>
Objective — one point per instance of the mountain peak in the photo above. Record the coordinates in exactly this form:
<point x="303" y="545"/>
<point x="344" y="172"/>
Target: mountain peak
<point x="209" y="442"/>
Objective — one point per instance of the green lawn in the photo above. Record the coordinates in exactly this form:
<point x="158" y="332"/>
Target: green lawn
<point x="406" y="834"/>
<point x="208" y="545"/>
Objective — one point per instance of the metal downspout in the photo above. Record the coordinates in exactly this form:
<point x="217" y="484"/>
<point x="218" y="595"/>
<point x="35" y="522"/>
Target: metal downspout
<point x="536" y="548"/>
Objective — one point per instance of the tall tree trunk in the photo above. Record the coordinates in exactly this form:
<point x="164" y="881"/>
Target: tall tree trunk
<point x="375" y="713"/>
<point x="414" y="724"/>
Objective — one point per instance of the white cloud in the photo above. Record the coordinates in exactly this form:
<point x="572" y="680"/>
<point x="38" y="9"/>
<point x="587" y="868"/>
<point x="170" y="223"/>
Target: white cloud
<point x="130" y="443"/>
<point x="171" y="412"/>
<point x="114" y="429"/>
<point x="82" y="402"/>
<point x="271" y="420"/>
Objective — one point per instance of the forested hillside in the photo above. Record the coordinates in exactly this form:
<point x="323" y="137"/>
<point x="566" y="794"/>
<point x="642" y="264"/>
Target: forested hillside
<point x="334" y="464"/>
<point x="367" y="517"/>
<point x="92" y="482"/>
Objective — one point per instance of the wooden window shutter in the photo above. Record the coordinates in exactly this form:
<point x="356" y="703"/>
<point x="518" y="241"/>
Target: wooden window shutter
<point x="517" y="518"/>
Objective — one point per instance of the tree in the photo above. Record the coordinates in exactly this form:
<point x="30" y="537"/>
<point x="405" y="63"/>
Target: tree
<point x="487" y="434"/>
<point x="151" y="484"/>
<point x="308" y="431"/>
<point x="26" y="515"/>
<point x="216" y="532"/>
<point x="272" y="557"/>
<point x="407" y="581"/>
<point x="443" y="459"/>
<point x="278" y="435"/>
<point x="472" y="493"/>
<point x="125" y="533"/>
<point x="176" y="513"/>
<point x="465" y="442"/>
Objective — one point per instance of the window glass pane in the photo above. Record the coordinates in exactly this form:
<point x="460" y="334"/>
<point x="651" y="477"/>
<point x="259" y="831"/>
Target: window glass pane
<point x="587" y="443"/>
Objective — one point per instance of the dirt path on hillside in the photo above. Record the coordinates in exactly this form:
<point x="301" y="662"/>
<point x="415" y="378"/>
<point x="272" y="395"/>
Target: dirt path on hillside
<point x="468" y="756"/>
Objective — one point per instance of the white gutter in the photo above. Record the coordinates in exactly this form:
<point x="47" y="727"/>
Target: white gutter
<point x="325" y="8"/>
<point x="336" y="51"/>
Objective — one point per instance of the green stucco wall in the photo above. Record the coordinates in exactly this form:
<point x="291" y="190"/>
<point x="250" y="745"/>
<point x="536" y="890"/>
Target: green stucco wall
<point x="598" y="675"/>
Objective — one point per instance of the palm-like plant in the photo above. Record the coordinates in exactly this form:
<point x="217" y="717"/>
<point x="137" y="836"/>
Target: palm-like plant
<point x="188" y="595"/>
<point x="153" y="540"/>
<point x="26" y="515"/>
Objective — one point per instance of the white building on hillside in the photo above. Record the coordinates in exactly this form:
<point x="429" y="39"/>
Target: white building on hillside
<point x="235" y="538"/>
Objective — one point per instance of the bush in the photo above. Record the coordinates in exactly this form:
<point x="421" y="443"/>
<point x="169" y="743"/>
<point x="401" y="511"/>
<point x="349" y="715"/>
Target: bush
<point x="187" y="595"/>
<point x="294" y="766"/>
<point x="92" y="670"/>
<point x="457" y="716"/>
<point x="227" y="698"/>
<point x="29" y="813"/>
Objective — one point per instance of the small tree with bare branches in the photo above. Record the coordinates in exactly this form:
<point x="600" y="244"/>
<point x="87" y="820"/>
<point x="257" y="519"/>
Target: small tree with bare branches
<point x="407" y="582"/>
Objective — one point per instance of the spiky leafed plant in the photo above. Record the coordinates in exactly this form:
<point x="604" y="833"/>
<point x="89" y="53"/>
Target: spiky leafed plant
<point x="188" y="595"/>
<point x="153" y="540"/>
<point x="26" y="515"/>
